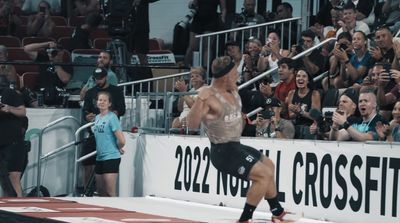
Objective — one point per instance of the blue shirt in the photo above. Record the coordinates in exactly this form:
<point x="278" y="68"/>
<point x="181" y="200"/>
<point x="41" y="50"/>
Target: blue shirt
<point x="359" y="63"/>
<point x="106" y="141"/>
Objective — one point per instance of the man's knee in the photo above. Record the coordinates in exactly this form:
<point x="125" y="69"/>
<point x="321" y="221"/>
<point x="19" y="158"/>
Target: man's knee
<point x="262" y="171"/>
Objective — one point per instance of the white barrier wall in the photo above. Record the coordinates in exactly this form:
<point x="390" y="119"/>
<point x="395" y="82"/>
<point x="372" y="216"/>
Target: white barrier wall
<point x="341" y="182"/>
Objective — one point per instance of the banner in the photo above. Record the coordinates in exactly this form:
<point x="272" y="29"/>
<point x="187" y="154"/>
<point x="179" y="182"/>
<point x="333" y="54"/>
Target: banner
<point x="340" y="182"/>
<point x="162" y="58"/>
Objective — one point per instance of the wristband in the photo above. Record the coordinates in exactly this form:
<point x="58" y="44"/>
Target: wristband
<point x="346" y="125"/>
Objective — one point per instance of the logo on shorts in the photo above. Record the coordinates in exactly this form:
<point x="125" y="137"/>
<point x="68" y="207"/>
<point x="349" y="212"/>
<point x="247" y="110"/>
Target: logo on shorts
<point x="249" y="158"/>
<point x="241" y="170"/>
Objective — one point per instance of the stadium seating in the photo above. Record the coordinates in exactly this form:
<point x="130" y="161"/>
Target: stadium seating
<point x="99" y="33"/>
<point x="76" y="20"/>
<point x="10" y="41"/>
<point x="59" y="21"/>
<point x="64" y="42"/>
<point x="17" y="54"/>
<point x="29" y="40"/>
<point x="62" y="31"/>
<point x="101" y="43"/>
<point x="29" y="79"/>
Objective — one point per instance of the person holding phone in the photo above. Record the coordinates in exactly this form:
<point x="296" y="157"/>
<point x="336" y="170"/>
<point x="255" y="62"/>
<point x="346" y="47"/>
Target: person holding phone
<point x="41" y="24"/>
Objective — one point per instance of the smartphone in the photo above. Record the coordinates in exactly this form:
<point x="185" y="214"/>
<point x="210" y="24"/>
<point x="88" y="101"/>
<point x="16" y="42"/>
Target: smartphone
<point x="372" y="44"/>
<point x="42" y="9"/>
<point x="343" y="46"/>
<point x="387" y="68"/>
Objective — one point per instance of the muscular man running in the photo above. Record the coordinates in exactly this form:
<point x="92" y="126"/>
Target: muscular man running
<point x="218" y="107"/>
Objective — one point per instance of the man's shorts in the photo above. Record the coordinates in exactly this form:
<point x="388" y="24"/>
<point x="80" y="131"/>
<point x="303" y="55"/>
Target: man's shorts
<point x="17" y="157"/>
<point x="107" y="166"/>
<point x="234" y="158"/>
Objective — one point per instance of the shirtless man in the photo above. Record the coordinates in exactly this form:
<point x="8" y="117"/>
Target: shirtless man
<point x="218" y="107"/>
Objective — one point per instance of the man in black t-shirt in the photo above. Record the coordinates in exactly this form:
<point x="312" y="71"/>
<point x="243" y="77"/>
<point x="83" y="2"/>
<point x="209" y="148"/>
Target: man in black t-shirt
<point x="50" y="76"/>
<point x="80" y="38"/>
<point x="12" y="109"/>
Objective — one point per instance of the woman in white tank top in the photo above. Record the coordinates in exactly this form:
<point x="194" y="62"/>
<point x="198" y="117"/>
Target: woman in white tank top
<point x="270" y="54"/>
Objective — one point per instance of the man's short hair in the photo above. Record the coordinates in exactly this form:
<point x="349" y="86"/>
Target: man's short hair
<point x="350" y="6"/>
<point x="288" y="61"/>
<point x="308" y="33"/>
<point x="287" y="6"/>
<point x="345" y="35"/>
<point x="107" y="52"/>
<point x="256" y="41"/>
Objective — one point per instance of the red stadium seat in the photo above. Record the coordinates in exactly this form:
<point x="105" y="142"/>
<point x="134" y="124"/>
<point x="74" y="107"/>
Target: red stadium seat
<point x="17" y="54"/>
<point x="29" y="40"/>
<point x="76" y="20"/>
<point x="10" y="41"/>
<point x="64" y="42"/>
<point x="101" y="43"/>
<point x="98" y="33"/>
<point x="20" y="31"/>
<point x="59" y="20"/>
<point x="62" y="31"/>
<point x="154" y="44"/>
<point x="24" y="20"/>
<point x="29" y="79"/>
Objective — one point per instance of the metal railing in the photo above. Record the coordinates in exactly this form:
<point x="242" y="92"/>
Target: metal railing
<point x="52" y="153"/>
<point x="77" y="139"/>
<point x="242" y="33"/>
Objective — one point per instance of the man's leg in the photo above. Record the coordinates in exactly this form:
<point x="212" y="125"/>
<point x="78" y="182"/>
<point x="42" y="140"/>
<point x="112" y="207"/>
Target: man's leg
<point x="5" y="182"/>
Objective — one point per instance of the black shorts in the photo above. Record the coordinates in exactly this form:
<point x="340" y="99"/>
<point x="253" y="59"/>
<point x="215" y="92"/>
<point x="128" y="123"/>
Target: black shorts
<point x="17" y="157"/>
<point x="234" y="158"/>
<point x="107" y="166"/>
<point x="202" y="25"/>
<point x="89" y="146"/>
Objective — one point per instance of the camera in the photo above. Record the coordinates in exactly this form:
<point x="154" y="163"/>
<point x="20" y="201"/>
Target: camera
<point x="52" y="52"/>
<point x="55" y="96"/>
<point x="343" y="46"/>
<point x="267" y="114"/>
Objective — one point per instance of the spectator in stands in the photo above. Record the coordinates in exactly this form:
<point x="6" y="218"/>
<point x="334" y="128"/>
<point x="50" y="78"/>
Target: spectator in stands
<point x="269" y="123"/>
<point x="86" y="7"/>
<point x="31" y="6"/>
<point x="300" y="101"/>
<point x="41" y="24"/>
<point x="90" y="110"/>
<point x="110" y="142"/>
<point x="391" y="11"/>
<point x="358" y="130"/>
<point x="251" y="59"/>
<point x="365" y="10"/>
<point x="383" y="51"/>
<point x="286" y="70"/>
<point x="347" y="105"/>
<point x="324" y="16"/>
<point x="350" y="23"/>
<point x="391" y="132"/>
<point x="388" y="88"/>
<point x="104" y="60"/>
<point x="271" y="52"/>
<point x="327" y="31"/>
<point x="248" y="16"/>
<point x="338" y="62"/>
<point x="12" y="159"/>
<point x="313" y="61"/>
<point x="233" y="50"/>
<point x="185" y="102"/>
<point x="80" y="38"/>
<point x="357" y="68"/>
<point x="9" y="71"/>
<point x="284" y="11"/>
<point x="8" y="19"/>
<point x="50" y="76"/>
<point x="205" y="20"/>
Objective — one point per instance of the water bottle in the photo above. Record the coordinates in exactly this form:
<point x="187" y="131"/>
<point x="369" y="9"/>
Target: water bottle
<point x="184" y="128"/>
<point x="40" y="99"/>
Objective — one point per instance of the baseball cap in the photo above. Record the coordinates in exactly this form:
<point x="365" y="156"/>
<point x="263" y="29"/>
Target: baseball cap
<point x="99" y="72"/>
<point x="352" y="94"/>
<point x="273" y="102"/>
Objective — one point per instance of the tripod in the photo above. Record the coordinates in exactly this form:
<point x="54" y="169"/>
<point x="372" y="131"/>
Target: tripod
<point x="118" y="49"/>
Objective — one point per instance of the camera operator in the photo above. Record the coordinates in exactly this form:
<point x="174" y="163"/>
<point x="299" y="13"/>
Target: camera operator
<point x="41" y="23"/>
<point x="80" y="38"/>
<point x="269" y="123"/>
<point x="248" y="16"/>
<point x="363" y="129"/>
<point x="12" y="110"/>
<point x="51" y="78"/>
